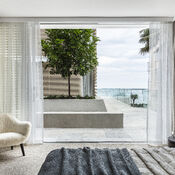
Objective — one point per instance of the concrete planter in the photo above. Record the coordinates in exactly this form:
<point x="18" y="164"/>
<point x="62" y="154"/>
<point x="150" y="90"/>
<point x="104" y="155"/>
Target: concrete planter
<point x="74" y="105"/>
<point x="76" y="113"/>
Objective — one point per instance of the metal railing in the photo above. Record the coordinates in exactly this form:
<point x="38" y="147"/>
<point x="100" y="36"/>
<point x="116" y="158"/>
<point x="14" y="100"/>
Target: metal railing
<point x="124" y="95"/>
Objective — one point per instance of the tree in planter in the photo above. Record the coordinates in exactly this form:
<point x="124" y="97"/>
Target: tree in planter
<point x="70" y="51"/>
<point x="144" y="39"/>
<point x="133" y="98"/>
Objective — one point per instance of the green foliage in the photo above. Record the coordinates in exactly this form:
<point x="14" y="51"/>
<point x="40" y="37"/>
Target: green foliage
<point x="70" y="51"/>
<point x="141" y="105"/>
<point x="144" y="39"/>
<point x="133" y="98"/>
<point x="68" y="97"/>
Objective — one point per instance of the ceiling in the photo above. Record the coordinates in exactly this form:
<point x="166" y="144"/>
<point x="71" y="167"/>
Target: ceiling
<point x="69" y="8"/>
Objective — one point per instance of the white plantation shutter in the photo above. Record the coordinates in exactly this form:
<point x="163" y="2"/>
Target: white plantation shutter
<point x="21" y="90"/>
<point x="10" y="72"/>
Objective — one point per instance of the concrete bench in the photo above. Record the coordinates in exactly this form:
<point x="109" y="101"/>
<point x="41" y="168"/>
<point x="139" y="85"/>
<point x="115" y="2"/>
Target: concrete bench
<point x="83" y="120"/>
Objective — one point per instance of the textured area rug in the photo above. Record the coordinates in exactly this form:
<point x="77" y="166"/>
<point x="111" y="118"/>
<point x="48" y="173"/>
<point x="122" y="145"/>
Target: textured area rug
<point x="88" y="161"/>
<point x="155" y="161"/>
<point x="13" y="163"/>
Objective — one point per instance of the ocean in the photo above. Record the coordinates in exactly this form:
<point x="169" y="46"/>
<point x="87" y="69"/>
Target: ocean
<point x="123" y="95"/>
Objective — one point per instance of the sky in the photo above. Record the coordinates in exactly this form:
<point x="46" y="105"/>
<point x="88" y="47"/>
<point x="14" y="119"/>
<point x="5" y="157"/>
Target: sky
<point x="120" y="63"/>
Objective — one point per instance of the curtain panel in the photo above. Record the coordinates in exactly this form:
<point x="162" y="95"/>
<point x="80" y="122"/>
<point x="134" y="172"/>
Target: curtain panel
<point x="173" y="120"/>
<point x="161" y="87"/>
<point x="21" y="86"/>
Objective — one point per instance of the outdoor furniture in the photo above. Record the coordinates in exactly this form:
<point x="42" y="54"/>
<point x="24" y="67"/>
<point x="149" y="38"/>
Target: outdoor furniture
<point x="83" y="120"/>
<point x="13" y="132"/>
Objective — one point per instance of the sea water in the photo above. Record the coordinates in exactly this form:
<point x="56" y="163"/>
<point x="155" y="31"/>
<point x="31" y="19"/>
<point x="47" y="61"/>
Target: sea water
<point x="124" y="95"/>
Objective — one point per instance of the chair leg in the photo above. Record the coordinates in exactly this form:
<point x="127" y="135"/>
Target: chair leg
<point x="22" y="149"/>
<point x="11" y="147"/>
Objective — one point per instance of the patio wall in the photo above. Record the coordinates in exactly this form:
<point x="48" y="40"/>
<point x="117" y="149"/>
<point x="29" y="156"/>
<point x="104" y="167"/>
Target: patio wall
<point x="56" y="85"/>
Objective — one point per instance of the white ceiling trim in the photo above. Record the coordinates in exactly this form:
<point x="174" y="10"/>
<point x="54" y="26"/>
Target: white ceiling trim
<point x="90" y="26"/>
<point x="88" y="20"/>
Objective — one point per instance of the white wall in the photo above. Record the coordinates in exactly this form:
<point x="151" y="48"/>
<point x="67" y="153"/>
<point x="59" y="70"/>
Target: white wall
<point x="48" y="8"/>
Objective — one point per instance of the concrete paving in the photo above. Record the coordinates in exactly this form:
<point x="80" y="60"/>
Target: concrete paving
<point x="134" y="127"/>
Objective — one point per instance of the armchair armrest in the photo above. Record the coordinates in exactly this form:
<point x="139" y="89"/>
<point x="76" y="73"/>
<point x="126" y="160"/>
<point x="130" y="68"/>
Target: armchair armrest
<point x="22" y="127"/>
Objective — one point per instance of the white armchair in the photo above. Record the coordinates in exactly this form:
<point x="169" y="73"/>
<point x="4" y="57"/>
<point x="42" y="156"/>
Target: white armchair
<point x="13" y="132"/>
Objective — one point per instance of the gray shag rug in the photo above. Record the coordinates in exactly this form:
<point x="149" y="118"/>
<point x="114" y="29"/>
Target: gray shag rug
<point x="149" y="160"/>
<point x="86" y="161"/>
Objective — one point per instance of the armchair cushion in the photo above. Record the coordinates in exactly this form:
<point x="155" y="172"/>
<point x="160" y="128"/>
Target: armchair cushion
<point x="11" y="138"/>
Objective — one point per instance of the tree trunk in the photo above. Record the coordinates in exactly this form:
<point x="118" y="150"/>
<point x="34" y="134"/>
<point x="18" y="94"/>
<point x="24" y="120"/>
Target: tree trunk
<point x="69" y="85"/>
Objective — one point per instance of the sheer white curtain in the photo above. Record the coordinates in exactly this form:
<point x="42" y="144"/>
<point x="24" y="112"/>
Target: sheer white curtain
<point x="21" y="91"/>
<point x="161" y="75"/>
